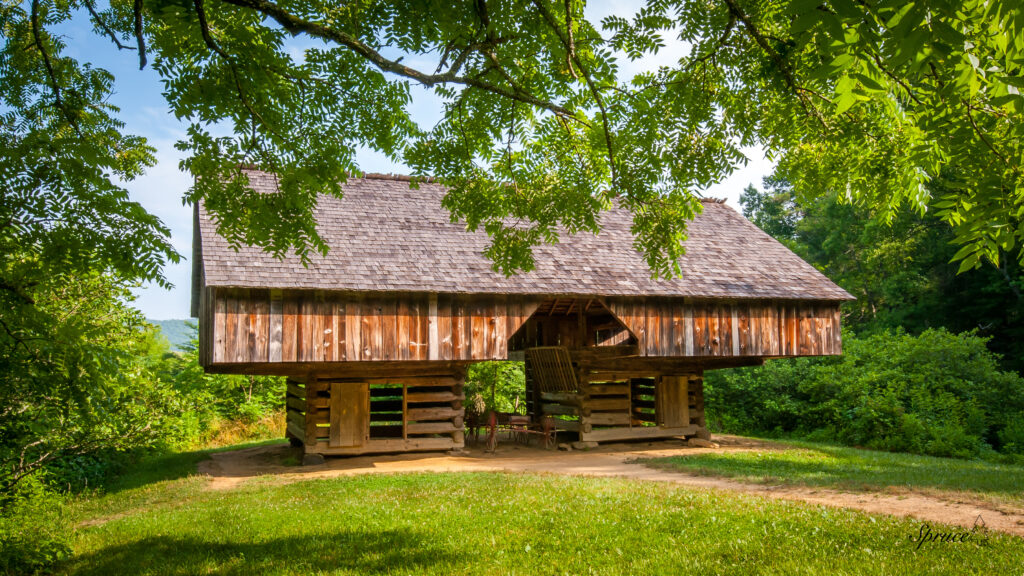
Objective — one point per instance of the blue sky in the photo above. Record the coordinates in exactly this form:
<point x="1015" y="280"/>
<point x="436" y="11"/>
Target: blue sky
<point x="160" y="190"/>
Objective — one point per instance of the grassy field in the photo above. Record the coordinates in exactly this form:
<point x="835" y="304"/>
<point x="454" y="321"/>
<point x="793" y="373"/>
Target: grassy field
<point x="813" y="464"/>
<point x="161" y="520"/>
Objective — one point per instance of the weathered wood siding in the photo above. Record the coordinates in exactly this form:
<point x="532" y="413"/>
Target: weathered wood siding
<point x="243" y="326"/>
<point x="666" y="327"/>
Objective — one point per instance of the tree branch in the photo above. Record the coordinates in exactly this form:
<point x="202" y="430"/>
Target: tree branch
<point x="570" y="54"/>
<point x="780" y="62"/>
<point x="138" y="34"/>
<point x="48" y="64"/>
<point x="204" y="28"/>
<point x="721" y="40"/>
<point x="895" y="78"/>
<point x="103" y="26"/>
<point x="571" y="49"/>
<point x="984" y="138"/>
<point x="295" y="25"/>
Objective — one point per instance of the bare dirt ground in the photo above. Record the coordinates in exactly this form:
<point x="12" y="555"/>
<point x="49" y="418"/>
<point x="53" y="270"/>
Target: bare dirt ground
<point x="229" y="469"/>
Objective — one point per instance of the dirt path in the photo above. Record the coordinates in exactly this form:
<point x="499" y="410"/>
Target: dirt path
<point x="229" y="469"/>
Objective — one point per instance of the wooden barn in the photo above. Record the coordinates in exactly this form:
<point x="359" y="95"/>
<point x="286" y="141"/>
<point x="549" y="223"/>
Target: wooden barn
<point x="376" y="337"/>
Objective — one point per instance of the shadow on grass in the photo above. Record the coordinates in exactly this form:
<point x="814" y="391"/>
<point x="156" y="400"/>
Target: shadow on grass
<point x="363" y="552"/>
<point x="161" y="467"/>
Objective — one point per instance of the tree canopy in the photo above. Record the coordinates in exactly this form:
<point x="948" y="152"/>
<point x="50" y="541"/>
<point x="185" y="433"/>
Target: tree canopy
<point x="900" y="272"/>
<point x="865" y="100"/>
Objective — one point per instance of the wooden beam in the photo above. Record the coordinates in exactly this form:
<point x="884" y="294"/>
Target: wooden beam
<point x="433" y="340"/>
<point x="382" y="445"/>
<point x="637" y="432"/>
<point x="395" y="369"/>
<point x="434" y="397"/>
<point x="432" y="428"/>
<point x="735" y="331"/>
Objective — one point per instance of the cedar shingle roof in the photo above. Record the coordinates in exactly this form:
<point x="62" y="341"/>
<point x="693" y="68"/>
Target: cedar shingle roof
<point x="384" y="236"/>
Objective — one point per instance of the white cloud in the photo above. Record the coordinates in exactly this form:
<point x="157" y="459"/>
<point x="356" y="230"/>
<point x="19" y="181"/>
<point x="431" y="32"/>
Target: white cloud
<point x="758" y="166"/>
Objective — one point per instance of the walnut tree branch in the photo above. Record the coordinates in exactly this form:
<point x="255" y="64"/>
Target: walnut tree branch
<point x="296" y="25"/>
<point x="594" y="90"/>
<point x="103" y="26"/>
<point x="139" y="39"/>
<point x="787" y="72"/>
<point x="58" y="97"/>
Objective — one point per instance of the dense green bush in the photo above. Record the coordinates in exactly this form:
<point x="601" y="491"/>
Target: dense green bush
<point x="207" y="401"/>
<point x="938" y="393"/>
<point x="88" y="388"/>
<point x="499" y="385"/>
<point x="33" y="532"/>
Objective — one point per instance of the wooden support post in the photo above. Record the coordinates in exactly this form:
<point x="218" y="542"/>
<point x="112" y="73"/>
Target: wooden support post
<point x="405" y="411"/>
<point x="433" y="343"/>
<point x="459" y="435"/>
<point x="311" y="411"/>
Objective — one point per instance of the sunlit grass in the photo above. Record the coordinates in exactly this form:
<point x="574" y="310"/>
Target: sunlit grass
<point x="492" y="523"/>
<point x="854" y="469"/>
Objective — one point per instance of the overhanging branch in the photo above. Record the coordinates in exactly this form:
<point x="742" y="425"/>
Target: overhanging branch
<point x="296" y="25"/>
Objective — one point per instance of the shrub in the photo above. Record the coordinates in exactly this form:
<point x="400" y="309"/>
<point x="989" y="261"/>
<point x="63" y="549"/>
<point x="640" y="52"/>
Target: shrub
<point x="500" y="384"/>
<point x="33" y="532"/>
<point x="938" y="393"/>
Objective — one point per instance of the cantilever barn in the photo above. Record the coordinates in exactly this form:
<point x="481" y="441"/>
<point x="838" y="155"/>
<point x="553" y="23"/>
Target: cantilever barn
<point x="376" y="336"/>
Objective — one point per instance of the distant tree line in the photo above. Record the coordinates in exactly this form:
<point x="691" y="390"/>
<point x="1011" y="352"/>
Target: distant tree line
<point x="900" y="269"/>
<point x="932" y="349"/>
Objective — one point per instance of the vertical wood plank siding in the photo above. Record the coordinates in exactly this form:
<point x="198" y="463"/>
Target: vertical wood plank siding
<point x="255" y="326"/>
<point x="665" y="327"/>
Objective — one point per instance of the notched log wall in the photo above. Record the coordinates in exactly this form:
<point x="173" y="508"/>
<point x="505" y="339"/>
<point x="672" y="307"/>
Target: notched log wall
<point x="346" y="416"/>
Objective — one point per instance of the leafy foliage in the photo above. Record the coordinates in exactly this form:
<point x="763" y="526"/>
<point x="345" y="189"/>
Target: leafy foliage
<point x="772" y="211"/>
<point x="900" y="271"/>
<point x="500" y="384"/>
<point x="34" y="534"/>
<point x="939" y="394"/>
<point x="77" y="367"/>
<point x="539" y="133"/>
<point x="62" y="208"/>
<point x="88" y="387"/>
<point x="208" y="400"/>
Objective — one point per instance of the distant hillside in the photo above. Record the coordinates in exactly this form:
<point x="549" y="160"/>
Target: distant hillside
<point x="177" y="332"/>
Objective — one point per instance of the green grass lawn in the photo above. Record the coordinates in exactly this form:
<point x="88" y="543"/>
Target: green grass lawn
<point x="814" y="464"/>
<point x="160" y="521"/>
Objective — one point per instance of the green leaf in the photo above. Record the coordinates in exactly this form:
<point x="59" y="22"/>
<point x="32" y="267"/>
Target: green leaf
<point x="971" y="261"/>
<point x="805" y="22"/>
<point x="870" y="83"/>
<point x="1015" y="81"/>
